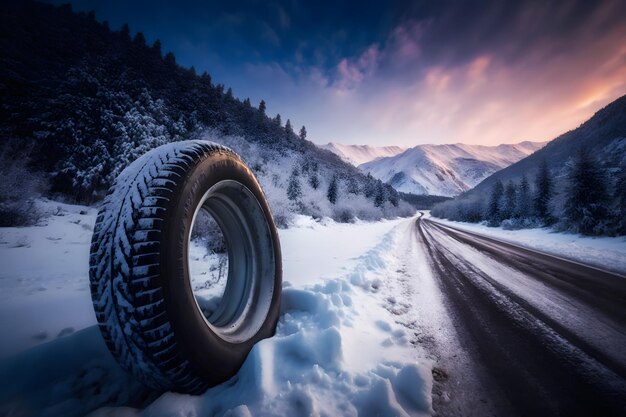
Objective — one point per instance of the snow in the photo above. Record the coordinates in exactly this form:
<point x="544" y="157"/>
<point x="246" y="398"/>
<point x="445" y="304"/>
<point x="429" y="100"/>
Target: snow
<point x="360" y="154"/>
<point x="339" y="348"/>
<point x="608" y="253"/>
<point x="446" y="170"/>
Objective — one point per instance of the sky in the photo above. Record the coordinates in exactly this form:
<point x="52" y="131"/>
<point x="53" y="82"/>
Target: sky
<point x="399" y="72"/>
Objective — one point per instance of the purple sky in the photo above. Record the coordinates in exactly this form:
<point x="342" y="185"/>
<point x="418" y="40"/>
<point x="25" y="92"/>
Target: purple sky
<point x="399" y="72"/>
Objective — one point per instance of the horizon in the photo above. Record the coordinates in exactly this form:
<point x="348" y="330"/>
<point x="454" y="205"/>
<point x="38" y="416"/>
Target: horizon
<point x="352" y="75"/>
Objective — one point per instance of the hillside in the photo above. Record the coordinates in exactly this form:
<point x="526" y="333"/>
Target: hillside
<point x="80" y="102"/>
<point x="603" y="136"/>
<point x="446" y="170"/>
<point x="577" y="183"/>
<point x="360" y="154"/>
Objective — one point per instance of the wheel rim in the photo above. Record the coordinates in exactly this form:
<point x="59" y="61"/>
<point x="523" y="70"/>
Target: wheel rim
<point x="249" y="288"/>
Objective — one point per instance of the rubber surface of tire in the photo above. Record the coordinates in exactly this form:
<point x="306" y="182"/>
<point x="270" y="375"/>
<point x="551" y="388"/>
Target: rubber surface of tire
<point x="139" y="275"/>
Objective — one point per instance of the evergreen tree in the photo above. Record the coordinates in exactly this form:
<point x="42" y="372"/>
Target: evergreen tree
<point x="353" y="186"/>
<point x="510" y="194"/>
<point x="331" y="194"/>
<point x="170" y="59"/>
<point x="314" y="181"/>
<point x="125" y="32"/>
<point x="303" y="133"/>
<point x="156" y="48"/>
<point x="277" y="119"/>
<point x="620" y="198"/>
<point x="494" y="212"/>
<point x="523" y="199"/>
<point x="379" y="196"/>
<point x="140" y="40"/>
<point x="294" y="190"/>
<point x="543" y="193"/>
<point x="229" y="93"/>
<point x="262" y="107"/>
<point x="288" y="127"/>
<point x="586" y="196"/>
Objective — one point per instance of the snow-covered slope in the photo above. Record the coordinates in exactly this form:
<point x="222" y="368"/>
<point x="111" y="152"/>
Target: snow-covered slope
<point x="360" y="154"/>
<point x="446" y="170"/>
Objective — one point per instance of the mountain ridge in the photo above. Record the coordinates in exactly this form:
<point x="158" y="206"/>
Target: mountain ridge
<point x="446" y="170"/>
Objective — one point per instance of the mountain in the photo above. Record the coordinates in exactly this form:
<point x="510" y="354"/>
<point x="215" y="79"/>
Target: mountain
<point x="576" y="183"/>
<point x="81" y="101"/>
<point x="360" y="154"/>
<point x="446" y="170"/>
<point x="603" y="136"/>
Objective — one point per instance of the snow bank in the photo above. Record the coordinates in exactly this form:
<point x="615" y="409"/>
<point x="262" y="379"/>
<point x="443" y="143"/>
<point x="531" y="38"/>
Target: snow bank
<point x="44" y="285"/>
<point x="607" y="253"/>
<point x="337" y="350"/>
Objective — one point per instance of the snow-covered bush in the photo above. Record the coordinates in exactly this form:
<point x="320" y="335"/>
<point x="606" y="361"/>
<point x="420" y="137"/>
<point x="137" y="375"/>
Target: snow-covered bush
<point x="19" y="186"/>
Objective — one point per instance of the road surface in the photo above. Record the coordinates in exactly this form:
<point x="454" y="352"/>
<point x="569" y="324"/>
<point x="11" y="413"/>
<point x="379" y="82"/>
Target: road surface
<point x="545" y="336"/>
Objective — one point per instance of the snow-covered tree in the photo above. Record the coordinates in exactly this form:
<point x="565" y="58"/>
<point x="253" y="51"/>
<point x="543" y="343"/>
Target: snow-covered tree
<point x="294" y="189"/>
<point x="314" y="181"/>
<point x="303" y="133"/>
<point x="288" y="127"/>
<point x="331" y="194"/>
<point x="510" y="194"/>
<point x="523" y="205"/>
<point x="543" y="193"/>
<point x="494" y="208"/>
<point x="586" y="196"/>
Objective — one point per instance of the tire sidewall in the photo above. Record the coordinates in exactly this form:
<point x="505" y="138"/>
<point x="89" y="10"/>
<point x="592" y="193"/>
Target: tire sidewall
<point x="211" y="357"/>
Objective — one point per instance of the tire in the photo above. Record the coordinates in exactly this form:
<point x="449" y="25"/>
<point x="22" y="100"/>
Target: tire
<point x="139" y="272"/>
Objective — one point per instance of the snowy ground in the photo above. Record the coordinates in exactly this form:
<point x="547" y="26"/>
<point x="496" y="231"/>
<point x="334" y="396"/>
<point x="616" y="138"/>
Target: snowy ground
<point x="342" y="346"/>
<point x="607" y="253"/>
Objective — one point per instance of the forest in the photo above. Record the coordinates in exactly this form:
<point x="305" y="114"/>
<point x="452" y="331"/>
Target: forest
<point x="82" y="101"/>
<point x="583" y="197"/>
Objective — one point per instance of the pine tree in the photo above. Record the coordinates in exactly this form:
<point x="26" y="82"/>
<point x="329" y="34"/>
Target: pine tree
<point x="331" y="194"/>
<point x="523" y="199"/>
<point x="294" y="190"/>
<point x="156" y="48"/>
<point x="170" y="59"/>
<point x="288" y="127"/>
<point x="494" y="212"/>
<point x="586" y="196"/>
<point x="303" y="133"/>
<point x="619" y="197"/>
<point x="314" y="181"/>
<point x="277" y="119"/>
<point x="262" y="107"/>
<point x="510" y="194"/>
<point x="543" y="193"/>
<point x="379" y="196"/>
<point x="140" y="40"/>
<point x="125" y="32"/>
<point x="353" y="186"/>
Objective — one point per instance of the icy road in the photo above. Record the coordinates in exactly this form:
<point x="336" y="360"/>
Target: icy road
<point x="536" y="334"/>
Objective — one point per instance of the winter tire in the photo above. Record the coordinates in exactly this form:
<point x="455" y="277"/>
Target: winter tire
<point x="139" y="268"/>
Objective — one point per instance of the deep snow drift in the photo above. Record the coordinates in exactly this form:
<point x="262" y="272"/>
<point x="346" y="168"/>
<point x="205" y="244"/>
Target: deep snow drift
<point x="338" y="349"/>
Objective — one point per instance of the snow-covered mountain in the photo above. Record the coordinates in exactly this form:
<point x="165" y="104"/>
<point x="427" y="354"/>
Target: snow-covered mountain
<point x="360" y="154"/>
<point x="446" y="170"/>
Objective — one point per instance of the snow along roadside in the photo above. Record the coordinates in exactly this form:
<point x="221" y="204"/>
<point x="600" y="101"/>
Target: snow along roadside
<point x="608" y="253"/>
<point x="337" y="350"/>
